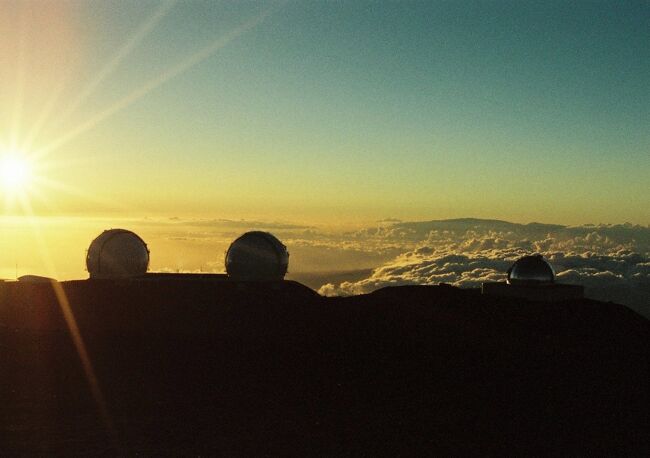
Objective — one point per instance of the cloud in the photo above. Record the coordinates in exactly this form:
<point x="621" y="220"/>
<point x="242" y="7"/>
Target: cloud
<point x="611" y="261"/>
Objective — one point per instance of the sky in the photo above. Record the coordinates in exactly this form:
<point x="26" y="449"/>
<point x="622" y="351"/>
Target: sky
<point x="193" y="121"/>
<point x="353" y="111"/>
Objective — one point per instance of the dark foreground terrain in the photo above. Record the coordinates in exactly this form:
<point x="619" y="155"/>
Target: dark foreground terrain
<point x="204" y="366"/>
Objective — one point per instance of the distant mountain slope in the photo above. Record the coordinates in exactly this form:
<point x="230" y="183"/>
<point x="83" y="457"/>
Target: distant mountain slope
<point x="640" y="234"/>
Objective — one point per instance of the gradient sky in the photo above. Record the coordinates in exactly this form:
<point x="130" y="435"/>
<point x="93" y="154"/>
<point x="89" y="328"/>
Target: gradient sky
<point x="332" y="111"/>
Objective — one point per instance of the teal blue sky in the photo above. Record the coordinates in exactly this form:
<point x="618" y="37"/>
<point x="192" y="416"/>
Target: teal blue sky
<point x="361" y="110"/>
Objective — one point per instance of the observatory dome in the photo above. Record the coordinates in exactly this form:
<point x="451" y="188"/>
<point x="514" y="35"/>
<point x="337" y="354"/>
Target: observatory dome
<point x="257" y="256"/>
<point x="531" y="270"/>
<point x="117" y="253"/>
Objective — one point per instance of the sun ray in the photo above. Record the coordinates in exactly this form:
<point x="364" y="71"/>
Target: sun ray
<point x="21" y="179"/>
<point x="113" y="64"/>
<point x="43" y="117"/>
<point x="19" y="92"/>
<point x="78" y="192"/>
<point x="195" y="59"/>
<point x="37" y="195"/>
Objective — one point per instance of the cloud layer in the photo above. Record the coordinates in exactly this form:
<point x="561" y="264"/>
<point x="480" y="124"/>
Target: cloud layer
<point x="611" y="261"/>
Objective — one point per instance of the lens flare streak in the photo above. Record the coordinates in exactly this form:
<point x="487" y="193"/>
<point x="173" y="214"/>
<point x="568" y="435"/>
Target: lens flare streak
<point x="73" y="327"/>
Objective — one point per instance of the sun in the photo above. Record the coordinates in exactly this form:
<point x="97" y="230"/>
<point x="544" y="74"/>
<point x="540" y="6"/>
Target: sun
<point x="15" y="173"/>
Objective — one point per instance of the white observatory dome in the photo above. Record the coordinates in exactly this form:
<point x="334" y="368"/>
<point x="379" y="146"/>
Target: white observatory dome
<point x="257" y="256"/>
<point x="531" y="270"/>
<point x="117" y="253"/>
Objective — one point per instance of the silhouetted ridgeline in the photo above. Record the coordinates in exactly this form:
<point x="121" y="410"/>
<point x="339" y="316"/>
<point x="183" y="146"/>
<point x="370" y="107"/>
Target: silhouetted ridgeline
<point x="202" y="365"/>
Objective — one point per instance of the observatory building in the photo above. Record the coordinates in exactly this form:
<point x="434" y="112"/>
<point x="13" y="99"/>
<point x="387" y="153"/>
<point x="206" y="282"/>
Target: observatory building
<point x="117" y="253"/>
<point x="531" y="271"/>
<point x="257" y="256"/>
<point x="532" y="278"/>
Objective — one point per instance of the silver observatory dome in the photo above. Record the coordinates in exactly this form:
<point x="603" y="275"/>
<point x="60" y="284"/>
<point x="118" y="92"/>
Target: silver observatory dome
<point x="117" y="253"/>
<point x="257" y="256"/>
<point x="531" y="270"/>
